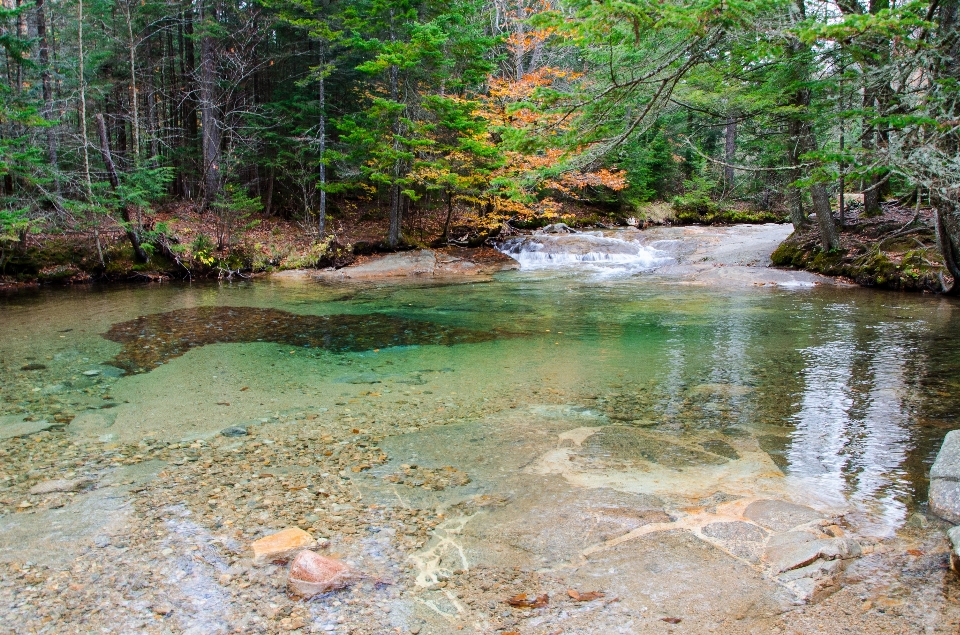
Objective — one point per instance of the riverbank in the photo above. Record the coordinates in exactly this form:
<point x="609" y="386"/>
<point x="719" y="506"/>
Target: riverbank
<point x="184" y="244"/>
<point x="896" y="250"/>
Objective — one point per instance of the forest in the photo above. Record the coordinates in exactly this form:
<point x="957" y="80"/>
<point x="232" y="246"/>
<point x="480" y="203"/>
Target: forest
<point x="432" y="121"/>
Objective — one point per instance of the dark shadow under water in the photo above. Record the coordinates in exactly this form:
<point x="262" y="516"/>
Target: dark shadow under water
<point x="151" y="340"/>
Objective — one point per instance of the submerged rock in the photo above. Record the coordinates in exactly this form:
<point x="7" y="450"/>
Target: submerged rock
<point x="780" y="515"/>
<point x="312" y="574"/>
<point x="945" y="480"/>
<point x="788" y="556"/>
<point x="281" y="545"/>
<point x="234" y="431"/>
<point x="60" y="485"/>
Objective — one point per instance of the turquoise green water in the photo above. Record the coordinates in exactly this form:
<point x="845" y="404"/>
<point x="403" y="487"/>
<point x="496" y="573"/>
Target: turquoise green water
<point x="844" y="394"/>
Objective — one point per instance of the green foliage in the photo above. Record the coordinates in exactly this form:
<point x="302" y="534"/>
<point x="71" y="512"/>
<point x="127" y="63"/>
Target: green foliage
<point x="233" y="207"/>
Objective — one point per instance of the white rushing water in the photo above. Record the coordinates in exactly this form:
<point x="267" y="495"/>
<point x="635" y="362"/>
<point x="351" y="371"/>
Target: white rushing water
<point x="583" y="250"/>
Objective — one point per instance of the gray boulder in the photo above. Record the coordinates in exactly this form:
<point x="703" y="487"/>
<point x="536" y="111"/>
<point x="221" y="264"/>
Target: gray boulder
<point x="945" y="480"/>
<point x="954" y="535"/>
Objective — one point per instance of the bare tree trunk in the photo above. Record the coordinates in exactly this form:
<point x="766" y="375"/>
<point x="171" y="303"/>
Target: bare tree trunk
<point x="730" y="151"/>
<point x="829" y="237"/>
<point x="393" y="237"/>
<point x="322" y="134"/>
<point x="446" y="224"/>
<point x="947" y="218"/>
<point x="268" y="203"/>
<point x="871" y="195"/>
<point x="945" y="199"/>
<point x="134" y="96"/>
<point x="794" y="195"/>
<point x="47" y="89"/>
<point x="83" y="107"/>
<point x="209" y="117"/>
<point x="188" y="68"/>
<point x="138" y="252"/>
<point x="803" y="141"/>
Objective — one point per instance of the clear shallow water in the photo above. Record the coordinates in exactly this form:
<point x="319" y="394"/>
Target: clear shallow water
<point x="835" y="398"/>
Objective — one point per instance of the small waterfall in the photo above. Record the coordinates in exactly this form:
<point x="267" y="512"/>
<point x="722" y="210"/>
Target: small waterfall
<point x="582" y="250"/>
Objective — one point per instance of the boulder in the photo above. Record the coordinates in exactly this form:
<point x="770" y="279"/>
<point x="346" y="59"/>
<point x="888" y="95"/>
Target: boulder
<point x="312" y="574"/>
<point x="281" y="545"/>
<point x="60" y="485"/>
<point x="954" y="535"/>
<point x="944" y="492"/>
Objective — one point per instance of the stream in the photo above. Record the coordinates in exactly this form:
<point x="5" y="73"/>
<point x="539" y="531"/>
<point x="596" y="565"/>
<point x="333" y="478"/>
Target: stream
<point x="592" y="422"/>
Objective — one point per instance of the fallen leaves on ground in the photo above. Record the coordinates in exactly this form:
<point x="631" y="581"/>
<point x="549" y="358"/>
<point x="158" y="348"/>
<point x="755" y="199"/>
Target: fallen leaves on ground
<point x="671" y="620"/>
<point x="521" y="601"/>
<point x="587" y="596"/>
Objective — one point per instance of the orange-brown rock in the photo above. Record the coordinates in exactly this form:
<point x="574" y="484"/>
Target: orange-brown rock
<point x="312" y="574"/>
<point x="281" y="545"/>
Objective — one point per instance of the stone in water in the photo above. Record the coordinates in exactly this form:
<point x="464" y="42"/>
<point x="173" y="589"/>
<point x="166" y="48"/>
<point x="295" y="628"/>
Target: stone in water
<point x="281" y="545"/>
<point x="312" y="574"/>
<point x="945" y="480"/>
<point x="60" y="485"/>
<point x="234" y="431"/>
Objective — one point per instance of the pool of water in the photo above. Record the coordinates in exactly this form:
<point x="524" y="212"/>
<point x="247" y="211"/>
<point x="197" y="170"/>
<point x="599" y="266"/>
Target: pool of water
<point x="833" y="398"/>
<point x="848" y="392"/>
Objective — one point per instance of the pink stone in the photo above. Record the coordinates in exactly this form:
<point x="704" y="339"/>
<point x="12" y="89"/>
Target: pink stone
<point x="312" y="574"/>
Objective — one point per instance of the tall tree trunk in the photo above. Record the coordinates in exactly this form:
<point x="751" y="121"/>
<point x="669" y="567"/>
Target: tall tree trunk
<point x="47" y="89"/>
<point x="83" y="108"/>
<point x="268" y="202"/>
<point x="393" y="237"/>
<point x="134" y="93"/>
<point x="794" y="194"/>
<point x="446" y="223"/>
<point x="209" y="116"/>
<point x="876" y="99"/>
<point x="945" y="197"/>
<point x="829" y="236"/>
<point x="322" y="134"/>
<point x="871" y="192"/>
<point x="947" y="219"/>
<point x="730" y="151"/>
<point x="188" y="68"/>
<point x="138" y="252"/>
<point x="803" y="140"/>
